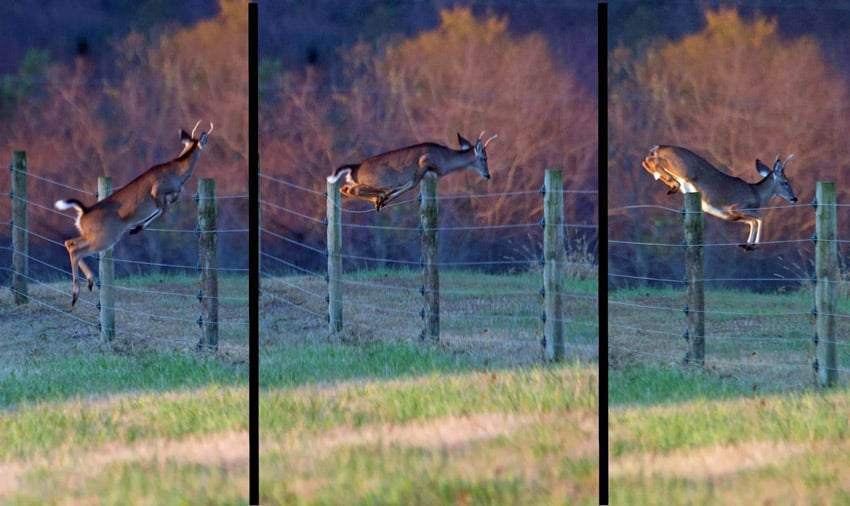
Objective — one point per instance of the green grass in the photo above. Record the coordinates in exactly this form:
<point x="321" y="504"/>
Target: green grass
<point x="750" y="428"/>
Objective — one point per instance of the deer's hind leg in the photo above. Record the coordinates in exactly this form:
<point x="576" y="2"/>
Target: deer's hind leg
<point x="77" y="248"/>
<point x="87" y="272"/>
<point x="394" y="194"/>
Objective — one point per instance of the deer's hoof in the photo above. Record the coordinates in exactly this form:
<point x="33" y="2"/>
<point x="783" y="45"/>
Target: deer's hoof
<point x="671" y="191"/>
<point x="73" y="300"/>
<point x="747" y="247"/>
<point x="90" y="284"/>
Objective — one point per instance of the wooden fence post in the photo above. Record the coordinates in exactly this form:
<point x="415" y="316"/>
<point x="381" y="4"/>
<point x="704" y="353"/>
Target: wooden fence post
<point x="694" y="275"/>
<point x="554" y="257"/>
<point x="106" y="275"/>
<point x="208" y="253"/>
<point x="20" y="229"/>
<point x="826" y="271"/>
<point x="334" y="241"/>
<point x="430" y="270"/>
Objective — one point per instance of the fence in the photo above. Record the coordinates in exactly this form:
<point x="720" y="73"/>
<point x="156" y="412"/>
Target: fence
<point x="826" y="279"/>
<point x="322" y="296"/>
<point x="121" y="299"/>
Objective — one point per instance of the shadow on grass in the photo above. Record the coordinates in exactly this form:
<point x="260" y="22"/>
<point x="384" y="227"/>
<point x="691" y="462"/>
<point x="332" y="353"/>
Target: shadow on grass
<point x="302" y="364"/>
<point x="59" y="378"/>
<point x="645" y="384"/>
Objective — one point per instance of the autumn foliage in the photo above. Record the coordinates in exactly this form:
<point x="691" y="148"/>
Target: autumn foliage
<point x="467" y="75"/>
<point x="77" y="125"/>
<point x="735" y="91"/>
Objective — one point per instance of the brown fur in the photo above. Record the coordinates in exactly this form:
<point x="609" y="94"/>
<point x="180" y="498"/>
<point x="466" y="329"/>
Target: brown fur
<point x="132" y="207"/>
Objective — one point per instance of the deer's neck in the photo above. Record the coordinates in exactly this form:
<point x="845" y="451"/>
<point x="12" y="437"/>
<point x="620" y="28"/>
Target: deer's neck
<point x="454" y="161"/>
<point x="764" y="190"/>
<point x="185" y="163"/>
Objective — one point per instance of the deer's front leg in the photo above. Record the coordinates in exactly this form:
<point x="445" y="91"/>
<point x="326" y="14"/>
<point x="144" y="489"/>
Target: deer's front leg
<point x="143" y="225"/>
<point x="662" y="175"/>
<point x="753" y="223"/>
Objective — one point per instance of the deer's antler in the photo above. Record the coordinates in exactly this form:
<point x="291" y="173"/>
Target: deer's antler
<point x="195" y="128"/>
<point x="211" y="128"/>
<point x="490" y="139"/>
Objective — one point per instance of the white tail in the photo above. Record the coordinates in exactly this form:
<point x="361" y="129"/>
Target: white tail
<point x="383" y="178"/>
<point x="131" y="208"/>
<point x="723" y="196"/>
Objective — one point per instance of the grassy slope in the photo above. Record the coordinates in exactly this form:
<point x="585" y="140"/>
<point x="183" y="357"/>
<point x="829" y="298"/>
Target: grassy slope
<point x="742" y="432"/>
<point x="495" y="437"/>
<point x="66" y="399"/>
<point x="390" y="421"/>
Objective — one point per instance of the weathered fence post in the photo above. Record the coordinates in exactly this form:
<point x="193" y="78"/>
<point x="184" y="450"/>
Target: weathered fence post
<point x="694" y="275"/>
<point x="208" y="257"/>
<point x="106" y="274"/>
<point x="554" y="257"/>
<point x="334" y="240"/>
<point x="430" y="270"/>
<point x="826" y="271"/>
<point x="20" y="229"/>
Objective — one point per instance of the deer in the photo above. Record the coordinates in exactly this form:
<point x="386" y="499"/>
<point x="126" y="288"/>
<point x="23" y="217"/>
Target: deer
<point x="384" y="177"/>
<point x="723" y="196"/>
<point x="131" y="208"/>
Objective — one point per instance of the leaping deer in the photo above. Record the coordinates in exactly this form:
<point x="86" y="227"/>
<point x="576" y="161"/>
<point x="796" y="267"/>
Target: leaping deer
<point x="131" y="208"/>
<point x="723" y="196"/>
<point x="383" y="178"/>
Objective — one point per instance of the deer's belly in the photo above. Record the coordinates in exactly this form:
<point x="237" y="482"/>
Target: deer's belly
<point x="385" y="179"/>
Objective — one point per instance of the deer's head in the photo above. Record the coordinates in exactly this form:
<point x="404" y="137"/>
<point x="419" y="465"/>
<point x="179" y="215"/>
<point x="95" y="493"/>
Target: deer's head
<point x="190" y="141"/>
<point x="781" y="184"/>
<point x="479" y="149"/>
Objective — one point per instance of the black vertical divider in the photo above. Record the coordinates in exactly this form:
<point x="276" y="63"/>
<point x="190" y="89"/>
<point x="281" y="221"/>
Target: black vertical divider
<point x="253" y="264"/>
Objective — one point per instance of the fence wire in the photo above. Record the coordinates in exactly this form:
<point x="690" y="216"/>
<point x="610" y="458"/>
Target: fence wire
<point x="772" y="341"/>
<point x="297" y="286"/>
<point x="129" y="319"/>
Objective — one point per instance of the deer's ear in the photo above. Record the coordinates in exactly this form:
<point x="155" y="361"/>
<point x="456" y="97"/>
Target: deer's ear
<point x="464" y="144"/>
<point x="185" y="137"/>
<point x="763" y="169"/>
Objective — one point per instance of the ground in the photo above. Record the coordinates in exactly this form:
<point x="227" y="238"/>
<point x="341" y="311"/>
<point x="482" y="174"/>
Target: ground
<point x="369" y="416"/>
<point x="145" y="419"/>
<point x="751" y="428"/>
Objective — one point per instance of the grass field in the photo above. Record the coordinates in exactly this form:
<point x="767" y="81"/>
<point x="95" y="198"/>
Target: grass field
<point x="749" y="429"/>
<point x="145" y="420"/>
<point x="371" y="416"/>
<point x="375" y="417"/>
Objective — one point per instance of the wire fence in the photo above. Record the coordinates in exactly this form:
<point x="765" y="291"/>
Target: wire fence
<point x="758" y="328"/>
<point x="496" y="313"/>
<point x="157" y="303"/>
